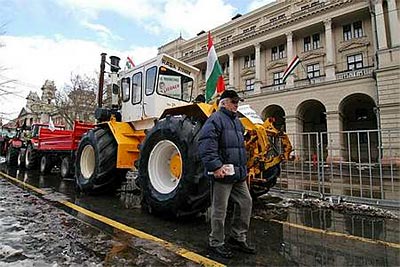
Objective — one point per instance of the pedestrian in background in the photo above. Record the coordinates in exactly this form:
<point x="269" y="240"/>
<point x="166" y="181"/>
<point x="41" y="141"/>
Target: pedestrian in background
<point x="223" y="152"/>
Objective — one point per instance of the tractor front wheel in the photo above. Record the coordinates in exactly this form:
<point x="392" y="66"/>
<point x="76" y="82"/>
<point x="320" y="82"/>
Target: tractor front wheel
<point x="170" y="169"/>
<point x="96" y="160"/>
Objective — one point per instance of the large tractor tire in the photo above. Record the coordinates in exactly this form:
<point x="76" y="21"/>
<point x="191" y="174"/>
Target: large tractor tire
<point x="31" y="158"/>
<point x="12" y="156"/>
<point x="96" y="161"/>
<point x="170" y="169"/>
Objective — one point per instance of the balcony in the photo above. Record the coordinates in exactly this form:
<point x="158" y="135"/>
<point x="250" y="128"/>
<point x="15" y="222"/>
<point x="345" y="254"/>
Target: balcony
<point x="355" y="74"/>
<point x="311" y="81"/>
<point x="273" y="88"/>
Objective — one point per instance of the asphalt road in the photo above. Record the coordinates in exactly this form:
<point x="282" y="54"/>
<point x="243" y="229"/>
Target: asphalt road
<point x="284" y="233"/>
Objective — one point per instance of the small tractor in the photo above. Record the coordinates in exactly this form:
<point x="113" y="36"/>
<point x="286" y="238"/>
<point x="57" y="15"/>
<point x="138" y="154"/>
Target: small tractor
<point x="14" y="145"/>
<point x="153" y="127"/>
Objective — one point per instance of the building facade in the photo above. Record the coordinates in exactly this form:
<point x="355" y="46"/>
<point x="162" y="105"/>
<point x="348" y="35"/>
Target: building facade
<point x="348" y="79"/>
<point x="77" y="105"/>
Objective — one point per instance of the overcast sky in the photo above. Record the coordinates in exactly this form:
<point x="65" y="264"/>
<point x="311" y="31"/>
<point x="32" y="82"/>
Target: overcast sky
<point x="49" y="39"/>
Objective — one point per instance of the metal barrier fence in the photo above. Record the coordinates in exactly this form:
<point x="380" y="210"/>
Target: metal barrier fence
<point x="361" y="166"/>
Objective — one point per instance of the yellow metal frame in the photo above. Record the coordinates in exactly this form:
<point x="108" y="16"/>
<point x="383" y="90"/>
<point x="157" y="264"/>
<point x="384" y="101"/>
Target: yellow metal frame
<point x="128" y="140"/>
<point x="258" y="146"/>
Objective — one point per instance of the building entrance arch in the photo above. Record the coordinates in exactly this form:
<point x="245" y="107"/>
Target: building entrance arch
<point x="276" y="112"/>
<point x="312" y="128"/>
<point x="361" y="126"/>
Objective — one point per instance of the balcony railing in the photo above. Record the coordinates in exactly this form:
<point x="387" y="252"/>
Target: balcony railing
<point x="340" y="77"/>
<point x="305" y="82"/>
<point x="350" y="74"/>
<point x="273" y="88"/>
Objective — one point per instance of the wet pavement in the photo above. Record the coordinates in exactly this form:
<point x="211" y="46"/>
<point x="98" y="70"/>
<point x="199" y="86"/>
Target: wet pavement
<point x="367" y="236"/>
<point x="35" y="233"/>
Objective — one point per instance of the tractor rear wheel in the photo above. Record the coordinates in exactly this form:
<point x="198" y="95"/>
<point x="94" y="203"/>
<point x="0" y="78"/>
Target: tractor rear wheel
<point x="31" y="157"/>
<point x="12" y="156"/>
<point x="170" y="169"/>
<point x="96" y="161"/>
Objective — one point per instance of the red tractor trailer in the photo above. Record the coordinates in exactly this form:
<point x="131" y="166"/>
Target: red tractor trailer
<point x="54" y="147"/>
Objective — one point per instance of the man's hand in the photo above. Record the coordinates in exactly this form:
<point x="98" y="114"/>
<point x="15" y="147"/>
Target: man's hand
<point x="219" y="173"/>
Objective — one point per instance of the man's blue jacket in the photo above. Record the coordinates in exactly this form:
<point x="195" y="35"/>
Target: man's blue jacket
<point x="221" y="142"/>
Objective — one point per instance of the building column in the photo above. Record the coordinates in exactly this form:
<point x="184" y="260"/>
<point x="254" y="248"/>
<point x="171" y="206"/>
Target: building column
<point x="293" y="130"/>
<point x="257" y="80"/>
<point x="330" y="47"/>
<point x="394" y="25"/>
<point x="380" y="25"/>
<point x="290" y="55"/>
<point x="335" y="146"/>
<point x="231" y="71"/>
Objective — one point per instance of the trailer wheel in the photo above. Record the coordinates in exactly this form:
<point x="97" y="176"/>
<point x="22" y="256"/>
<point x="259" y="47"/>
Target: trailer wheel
<point x="21" y="158"/>
<point x="170" y="169"/>
<point x="96" y="160"/>
<point x="46" y="164"/>
<point x="31" y="157"/>
<point x="12" y="156"/>
<point x="65" y="167"/>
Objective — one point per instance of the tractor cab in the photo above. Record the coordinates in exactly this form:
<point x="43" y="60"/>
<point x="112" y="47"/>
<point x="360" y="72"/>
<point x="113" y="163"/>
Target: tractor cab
<point x="150" y="88"/>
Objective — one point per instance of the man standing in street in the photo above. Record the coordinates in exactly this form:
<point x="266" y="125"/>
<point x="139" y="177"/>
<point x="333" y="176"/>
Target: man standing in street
<point x="223" y="153"/>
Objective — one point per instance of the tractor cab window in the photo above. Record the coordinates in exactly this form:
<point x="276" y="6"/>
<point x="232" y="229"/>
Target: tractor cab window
<point x="126" y="89"/>
<point x="136" y="88"/>
<point x="150" y="80"/>
<point x="174" y="85"/>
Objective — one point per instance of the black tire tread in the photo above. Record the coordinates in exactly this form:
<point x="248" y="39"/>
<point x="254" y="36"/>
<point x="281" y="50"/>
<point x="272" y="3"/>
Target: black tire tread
<point x="192" y="195"/>
<point x="106" y="173"/>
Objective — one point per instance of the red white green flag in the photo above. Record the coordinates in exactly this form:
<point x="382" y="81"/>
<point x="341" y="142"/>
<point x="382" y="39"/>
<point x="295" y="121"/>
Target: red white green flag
<point x="129" y="63"/>
<point x="290" y="68"/>
<point x="214" y="79"/>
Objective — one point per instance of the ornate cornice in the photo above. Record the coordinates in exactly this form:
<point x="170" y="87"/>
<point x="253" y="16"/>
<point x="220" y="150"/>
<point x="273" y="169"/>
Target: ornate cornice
<point x="277" y="64"/>
<point x="312" y="54"/>
<point x="353" y="43"/>
<point x="247" y="72"/>
<point x="262" y="30"/>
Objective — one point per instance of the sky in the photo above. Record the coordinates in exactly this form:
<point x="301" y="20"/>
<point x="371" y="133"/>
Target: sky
<point x="51" y="39"/>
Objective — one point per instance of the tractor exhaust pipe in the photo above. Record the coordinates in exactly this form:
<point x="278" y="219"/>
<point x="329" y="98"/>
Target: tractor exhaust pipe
<point x="101" y="80"/>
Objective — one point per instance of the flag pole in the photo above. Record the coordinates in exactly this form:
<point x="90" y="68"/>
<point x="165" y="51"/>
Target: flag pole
<point x="305" y="71"/>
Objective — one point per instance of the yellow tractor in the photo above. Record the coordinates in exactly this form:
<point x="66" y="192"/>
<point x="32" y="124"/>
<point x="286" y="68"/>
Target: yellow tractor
<point x="153" y="127"/>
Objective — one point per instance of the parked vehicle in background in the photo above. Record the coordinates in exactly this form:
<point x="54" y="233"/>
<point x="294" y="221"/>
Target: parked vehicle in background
<point x="53" y="147"/>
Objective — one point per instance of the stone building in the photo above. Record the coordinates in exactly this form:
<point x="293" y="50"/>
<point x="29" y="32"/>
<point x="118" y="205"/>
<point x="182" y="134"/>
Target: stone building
<point x="39" y="109"/>
<point x="79" y="105"/>
<point x="348" y="79"/>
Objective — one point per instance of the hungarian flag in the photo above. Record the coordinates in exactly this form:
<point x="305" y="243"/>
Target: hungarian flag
<point x="129" y="63"/>
<point x="214" y="79"/>
<point x="292" y="65"/>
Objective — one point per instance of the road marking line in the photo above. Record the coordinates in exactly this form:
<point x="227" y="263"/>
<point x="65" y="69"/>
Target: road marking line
<point x="23" y="184"/>
<point x="132" y="231"/>
<point x="327" y="232"/>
